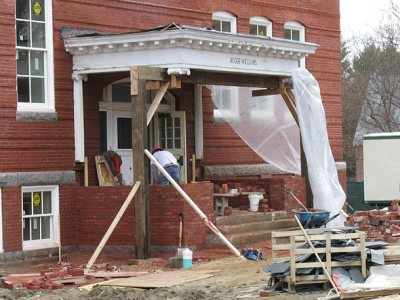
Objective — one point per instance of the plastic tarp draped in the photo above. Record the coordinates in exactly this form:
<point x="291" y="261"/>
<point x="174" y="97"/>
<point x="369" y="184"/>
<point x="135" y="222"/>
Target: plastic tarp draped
<point x="267" y="126"/>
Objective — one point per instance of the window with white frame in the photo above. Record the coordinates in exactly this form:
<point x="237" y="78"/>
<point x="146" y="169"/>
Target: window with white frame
<point x="224" y="21"/>
<point x="225" y="101"/>
<point x="34" y="42"/>
<point x="260" y="26"/>
<point x="296" y="32"/>
<point x="225" y="96"/>
<point x="40" y="217"/>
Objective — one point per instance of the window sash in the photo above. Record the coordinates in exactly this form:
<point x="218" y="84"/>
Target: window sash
<point x="36" y="93"/>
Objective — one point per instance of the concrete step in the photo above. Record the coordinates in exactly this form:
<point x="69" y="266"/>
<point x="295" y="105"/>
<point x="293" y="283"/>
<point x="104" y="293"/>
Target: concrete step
<point x="257" y="226"/>
<point x="245" y="217"/>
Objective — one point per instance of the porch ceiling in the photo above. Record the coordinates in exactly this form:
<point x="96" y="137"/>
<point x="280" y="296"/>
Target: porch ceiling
<point x="186" y="47"/>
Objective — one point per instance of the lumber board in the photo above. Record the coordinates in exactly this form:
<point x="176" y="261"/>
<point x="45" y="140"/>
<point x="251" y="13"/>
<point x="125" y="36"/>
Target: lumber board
<point x="333" y="264"/>
<point x="267" y="92"/>
<point x="340" y="236"/>
<point x="162" y="279"/>
<point x="134" y="80"/>
<point x="369" y="293"/>
<point x="206" y="77"/>
<point x="115" y="274"/>
<point x="104" y="173"/>
<point x="156" y="102"/>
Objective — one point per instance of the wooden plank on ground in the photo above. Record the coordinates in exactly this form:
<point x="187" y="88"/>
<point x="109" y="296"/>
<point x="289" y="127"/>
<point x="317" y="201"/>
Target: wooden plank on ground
<point x="115" y="274"/>
<point x="162" y="279"/>
<point x="369" y="293"/>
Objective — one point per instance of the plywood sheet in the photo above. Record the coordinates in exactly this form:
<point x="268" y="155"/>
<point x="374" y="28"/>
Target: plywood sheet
<point x="162" y="279"/>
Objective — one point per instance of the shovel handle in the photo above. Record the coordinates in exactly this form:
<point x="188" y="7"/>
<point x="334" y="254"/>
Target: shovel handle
<point x="295" y="198"/>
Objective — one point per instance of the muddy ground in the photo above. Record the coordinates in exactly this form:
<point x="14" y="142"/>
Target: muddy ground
<point x="235" y="279"/>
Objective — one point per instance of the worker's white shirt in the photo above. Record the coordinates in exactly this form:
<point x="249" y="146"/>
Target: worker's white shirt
<point x="165" y="158"/>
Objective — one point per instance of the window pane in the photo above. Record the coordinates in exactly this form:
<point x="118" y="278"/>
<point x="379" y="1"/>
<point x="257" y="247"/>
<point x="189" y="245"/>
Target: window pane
<point x="177" y="122"/>
<point x="178" y="143"/>
<point x="162" y="143"/>
<point x="26" y="229"/>
<point x="45" y="227"/>
<point x="169" y="122"/>
<point x="38" y="35"/>
<point x="35" y="222"/>
<point x="216" y="25"/>
<point x="47" y="202"/>
<point x="38" y="11"/>
<point x="22" y="9"/>
<point x="253" y="29"/>
<point x="37" y="63"/>
<point x="22" y="62"/>
<point x="37" y="86"/>
<point x="262" y="30"/>
<point x="226" y="26"/>
<point x="288" y="35"/>
<point x="37" y="203"/>
<point x="26" y="204"/>
<point x="162" y="133"/>
<point x="177" y="132"/>
<point x="170" y="144"/>
<point x="169" y="133"/>
<point x="23" y="34"/>
<point x="23" y="89"/>
<point x="121" y="92"/>
<point x="295" y="35"/>
<point x="124" y="129"/>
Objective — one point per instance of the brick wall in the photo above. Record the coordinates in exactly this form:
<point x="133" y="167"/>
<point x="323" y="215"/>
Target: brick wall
<point x="165" y="206"/>
<point x="12" y="219"/>
<point x="97" y="207"/>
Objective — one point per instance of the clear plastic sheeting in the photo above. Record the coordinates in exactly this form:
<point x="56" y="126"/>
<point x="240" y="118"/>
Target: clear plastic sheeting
<point x="327" y="191"/>
<point x="264" y="123"/>
<point x="267" y="126"/>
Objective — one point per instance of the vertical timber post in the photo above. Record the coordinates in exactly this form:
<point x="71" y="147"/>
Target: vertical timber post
<point x="140" y="165"/>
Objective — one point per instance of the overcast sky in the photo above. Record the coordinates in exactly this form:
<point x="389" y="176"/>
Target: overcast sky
<point x="361" y="16"/>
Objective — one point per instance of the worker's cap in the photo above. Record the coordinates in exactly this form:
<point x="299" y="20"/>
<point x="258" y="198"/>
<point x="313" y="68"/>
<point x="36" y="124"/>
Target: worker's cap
<point x="155" y="149"/>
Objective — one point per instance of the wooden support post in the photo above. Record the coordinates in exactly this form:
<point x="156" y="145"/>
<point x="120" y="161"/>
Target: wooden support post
<point x="140" y="171"/>
<point x="112" y="226"/>
<point x="86" y="172"/>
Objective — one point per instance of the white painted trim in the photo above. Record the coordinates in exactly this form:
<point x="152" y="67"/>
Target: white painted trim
<point x="49" y="105"/>
<point x="79" y="127"/>
<point x="198" y="121"/>
<point x="1" y="221"/>
<point x="227" y="17"/>
<point x="259" y="20"/>
<point x="55" y="228"/>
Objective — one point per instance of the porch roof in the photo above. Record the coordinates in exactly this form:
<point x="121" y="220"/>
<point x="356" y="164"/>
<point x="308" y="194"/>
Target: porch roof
<point x="181" y="46"/>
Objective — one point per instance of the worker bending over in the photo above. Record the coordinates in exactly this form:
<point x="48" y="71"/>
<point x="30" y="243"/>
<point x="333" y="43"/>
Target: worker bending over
<point x="168" y="161"/>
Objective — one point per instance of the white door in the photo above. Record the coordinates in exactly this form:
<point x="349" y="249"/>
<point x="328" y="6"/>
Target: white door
<point x="170" y="134"/>
<point x="122" y="142"/>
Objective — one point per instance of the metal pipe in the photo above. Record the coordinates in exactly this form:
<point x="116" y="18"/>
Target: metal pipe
<point x="206" y="221"/>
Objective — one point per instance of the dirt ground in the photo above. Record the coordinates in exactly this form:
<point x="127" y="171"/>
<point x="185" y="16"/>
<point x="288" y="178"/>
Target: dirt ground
<point x="235" y="279"/>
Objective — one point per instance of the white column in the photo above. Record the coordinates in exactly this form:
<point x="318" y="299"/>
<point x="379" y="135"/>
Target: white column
<point x="78" y="117"/>
<point x="198" y="120"/>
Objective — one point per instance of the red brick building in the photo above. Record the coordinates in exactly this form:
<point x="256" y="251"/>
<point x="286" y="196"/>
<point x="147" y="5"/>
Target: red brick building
<point x="65" y="95"/>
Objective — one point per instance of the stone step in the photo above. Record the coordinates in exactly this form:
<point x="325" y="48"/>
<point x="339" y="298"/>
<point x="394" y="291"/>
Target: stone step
<point x="250" y="217"/>
<point x="257" y="226"/>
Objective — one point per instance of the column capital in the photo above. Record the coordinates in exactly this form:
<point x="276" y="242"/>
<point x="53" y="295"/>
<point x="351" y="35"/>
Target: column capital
<point x="79" y="77"/>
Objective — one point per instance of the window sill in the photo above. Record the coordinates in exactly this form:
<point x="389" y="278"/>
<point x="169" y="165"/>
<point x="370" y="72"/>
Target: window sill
<point x="36" y="116"/>
<point x="38" y="246"/>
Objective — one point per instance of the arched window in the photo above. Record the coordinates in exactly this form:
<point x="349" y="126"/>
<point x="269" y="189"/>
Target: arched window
<point x="260" y="26"/>
<point x="296" y="32"/>
<point x="224" y="21"/>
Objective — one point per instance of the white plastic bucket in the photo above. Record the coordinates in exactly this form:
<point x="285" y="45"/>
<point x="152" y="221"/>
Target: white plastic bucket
<point x="187" y="255"/>
<point x="254" y="200"/>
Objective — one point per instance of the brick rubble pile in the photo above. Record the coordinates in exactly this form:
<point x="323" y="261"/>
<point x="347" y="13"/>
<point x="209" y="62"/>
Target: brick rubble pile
<point x="380" y="225"/>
